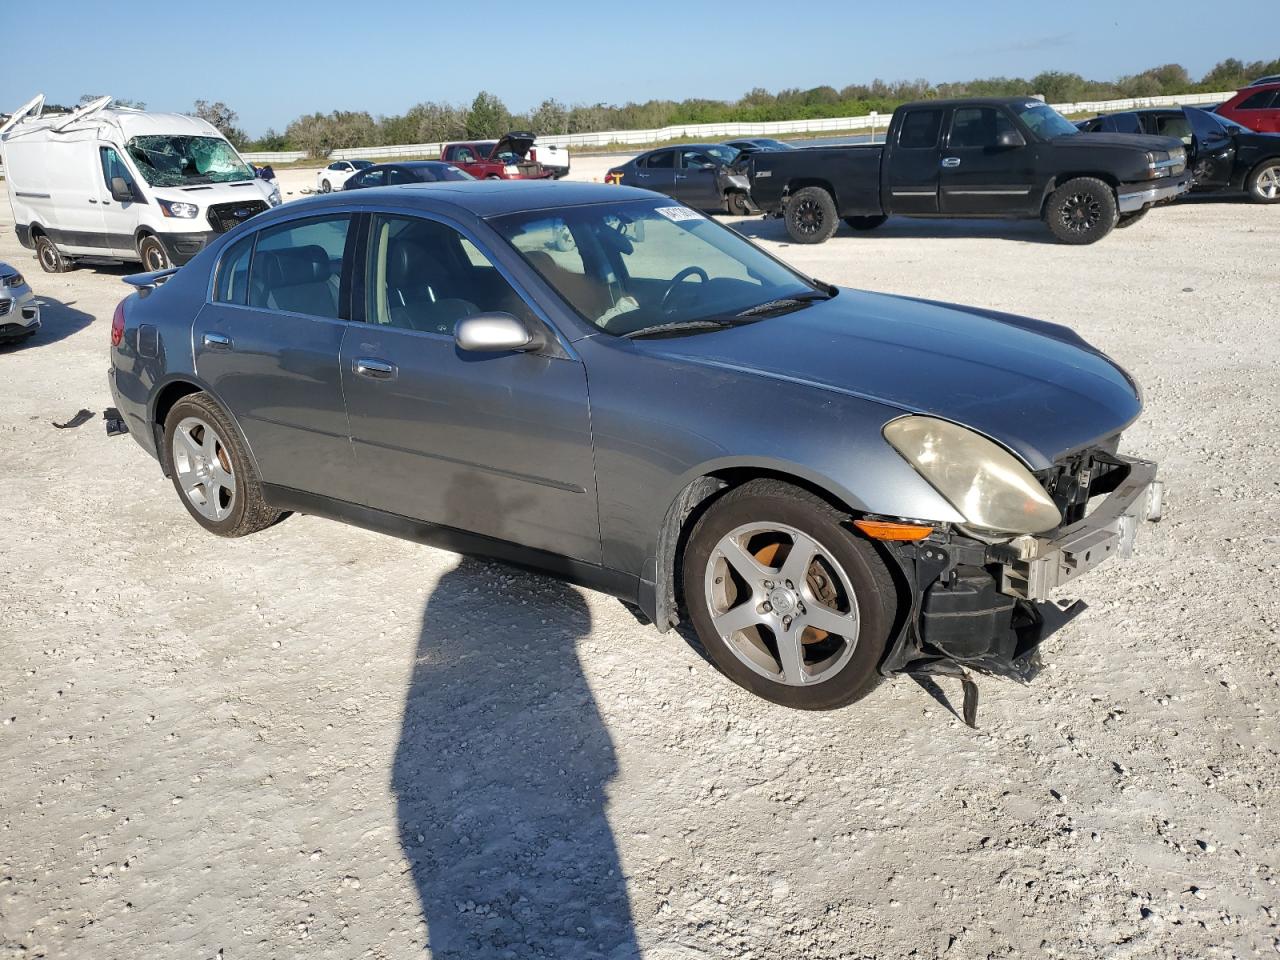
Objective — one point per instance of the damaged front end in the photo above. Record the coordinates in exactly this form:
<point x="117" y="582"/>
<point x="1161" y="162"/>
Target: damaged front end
<point x="984" y="605"/>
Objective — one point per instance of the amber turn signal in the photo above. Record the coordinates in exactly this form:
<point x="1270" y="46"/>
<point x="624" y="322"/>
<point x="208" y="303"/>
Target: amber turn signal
<point x="888" y="530"/>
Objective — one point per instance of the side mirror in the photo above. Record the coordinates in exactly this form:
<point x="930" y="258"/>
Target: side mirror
<point x="1010" y="138"/>
<point x="495" y="333"/>
<point x="706" y="166"/>
<point x="120" y="190"/>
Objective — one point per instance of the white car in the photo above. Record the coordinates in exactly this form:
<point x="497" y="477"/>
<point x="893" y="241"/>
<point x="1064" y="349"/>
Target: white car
<point x="335" y="174"/>
<point x="19" y="312"/>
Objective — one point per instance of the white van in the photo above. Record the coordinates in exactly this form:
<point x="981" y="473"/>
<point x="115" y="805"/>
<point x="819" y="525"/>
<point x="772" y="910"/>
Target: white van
<point x="122" y="184"/>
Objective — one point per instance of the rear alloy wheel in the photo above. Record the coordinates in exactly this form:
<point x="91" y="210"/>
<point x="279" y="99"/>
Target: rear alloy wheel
<point x="50" y="257"/>
<point x="325" y="186"/>
<point x="153" y="254"/>
<point x="865" y="223"/>
<point x="1129" y="219"/>
<point x="1264" y="183"/>
<point x="210" y="470"/>
<point x="811" y="215"/>
<point x="736" y="204"/>
<point x="1081" y="211"/>
<point x="787" y="601"/>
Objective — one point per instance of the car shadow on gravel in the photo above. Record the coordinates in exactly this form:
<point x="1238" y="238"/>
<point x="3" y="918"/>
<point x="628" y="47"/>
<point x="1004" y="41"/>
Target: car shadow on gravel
<point x="909" y="228"/>
<point x="57" y="322"/>
<point x="500" y="776"/>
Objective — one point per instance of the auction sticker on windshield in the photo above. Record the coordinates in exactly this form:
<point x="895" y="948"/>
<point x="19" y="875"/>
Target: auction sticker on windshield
<point x="679" y="213"/>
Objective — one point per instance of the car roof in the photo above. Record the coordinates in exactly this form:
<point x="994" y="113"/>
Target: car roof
<point x="480" y="198"/>
<point x="411" y="164"/>
<point x="976" y="101"/>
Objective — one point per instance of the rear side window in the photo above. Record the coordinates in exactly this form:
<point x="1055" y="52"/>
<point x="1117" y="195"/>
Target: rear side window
<point x="233" y="273"/>
<point x="977" y="127"/>
<point x="663" y="160"/>
<point x="1126" y="123"/>
<point x="920" y="129"/>
<point x="297" y="267"/>
<point x="1259" y="101"/>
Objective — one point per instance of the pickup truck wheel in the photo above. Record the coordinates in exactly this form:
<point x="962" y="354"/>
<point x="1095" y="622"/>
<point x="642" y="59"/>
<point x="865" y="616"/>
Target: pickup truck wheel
<point x="1129" y="219"/>
<point x="1081" y="211"/>
<point x="211" y="471"/>
<point x="811" y="215"/>
<point x="787" y="601"/>
<point x="736" y="204"/>
<point x="864" y="223"/>
<point x="1264" y="182"/>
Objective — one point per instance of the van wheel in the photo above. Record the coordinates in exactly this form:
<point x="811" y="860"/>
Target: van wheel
<point x="1081" y="211"/>
<point x="1129" y="219"/>
<point x="153" y="254"/>
<point x="736" y="204"/>
<point x="1264" y="183"/>
<point x="51" y="259"/>
<point x="788" y="602"/>
<point x="811" y="215"/>
<point x="211" y="471"/>
<point x="325" y="186"/>
<point x="864" y="223"/>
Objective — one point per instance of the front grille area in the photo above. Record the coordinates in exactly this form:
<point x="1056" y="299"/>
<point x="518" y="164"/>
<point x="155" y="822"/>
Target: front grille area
<point x="1073" y="480"/>
<point x="5" y="307"/>
<point x="224" y="216"/>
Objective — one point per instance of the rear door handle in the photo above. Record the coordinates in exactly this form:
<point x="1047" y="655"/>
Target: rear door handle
<point x="375" y="369"/>
<point x="216" y="341"/>
<point x="951" y="161"/>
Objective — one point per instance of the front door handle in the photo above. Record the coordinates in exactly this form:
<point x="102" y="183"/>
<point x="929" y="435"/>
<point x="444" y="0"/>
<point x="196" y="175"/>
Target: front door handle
<point x="375" y="369"/>
<point x="951" y="161"/>
<point x="216" y="341"/>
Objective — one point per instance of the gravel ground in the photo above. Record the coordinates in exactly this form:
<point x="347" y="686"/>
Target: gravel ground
<point x="321" y="742"/>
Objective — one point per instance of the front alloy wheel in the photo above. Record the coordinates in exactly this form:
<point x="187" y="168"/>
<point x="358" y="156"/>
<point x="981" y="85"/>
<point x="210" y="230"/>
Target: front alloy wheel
<point x="1264" y="183"/>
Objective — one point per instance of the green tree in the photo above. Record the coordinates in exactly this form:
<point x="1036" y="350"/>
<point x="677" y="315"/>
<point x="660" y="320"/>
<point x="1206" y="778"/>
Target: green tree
<point x="224" y="118"/>
<point x="550" y="117"/>
<point x="487" y="118"/>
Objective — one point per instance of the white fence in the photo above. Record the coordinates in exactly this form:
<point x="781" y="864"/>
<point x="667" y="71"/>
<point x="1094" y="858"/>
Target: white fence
<point x="720" y="131"/>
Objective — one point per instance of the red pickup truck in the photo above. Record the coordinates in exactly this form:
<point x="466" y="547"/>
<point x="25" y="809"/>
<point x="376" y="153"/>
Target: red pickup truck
<point x="505" y="159"/>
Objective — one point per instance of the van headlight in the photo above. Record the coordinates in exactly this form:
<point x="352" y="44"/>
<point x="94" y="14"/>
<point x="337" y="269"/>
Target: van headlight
<point x="178" y="208"/>
<point x="988" y="486"/>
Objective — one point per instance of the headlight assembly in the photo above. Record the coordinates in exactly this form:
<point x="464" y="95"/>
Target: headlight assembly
<point x="983" y="481"/>
<point x="177" y="208"/>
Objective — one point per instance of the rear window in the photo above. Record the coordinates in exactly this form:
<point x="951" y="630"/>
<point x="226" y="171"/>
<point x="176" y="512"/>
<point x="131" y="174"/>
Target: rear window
<point x="665" y="160"/>
<point x="920" y="129"/>
<point x="1259" y="101"/>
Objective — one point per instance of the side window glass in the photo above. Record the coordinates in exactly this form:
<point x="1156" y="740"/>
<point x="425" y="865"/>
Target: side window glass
<point x="297" y="267"/>
<point x="1127" y="123"/>
<point x="1174" y="125"/>
<point x="425" y="276"/>
<point x="233" y="273"/>
<point x="693" y="159"/>
<point x="465" y="156"/>
<point x="395" y="175"/>
<point x="372" y="178"/>
<point x="663" y="160"/>
<point x="113" y="166"/>
<point x="1259" y="101"/>
<point x="977" y="127"/>
<point x="920" y="129"/>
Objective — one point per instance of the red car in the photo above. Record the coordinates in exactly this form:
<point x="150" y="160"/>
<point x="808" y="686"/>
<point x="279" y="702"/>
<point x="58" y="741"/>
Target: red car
<point x="1257" y="108"/>
<point x="505" y="159"/>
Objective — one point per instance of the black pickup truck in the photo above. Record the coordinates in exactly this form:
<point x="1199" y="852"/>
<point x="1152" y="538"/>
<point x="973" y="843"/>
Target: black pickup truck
<point x="999" y="157"/>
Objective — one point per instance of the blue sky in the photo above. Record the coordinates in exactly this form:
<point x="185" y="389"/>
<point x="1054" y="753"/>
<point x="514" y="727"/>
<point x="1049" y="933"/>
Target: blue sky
<point x="273" y="61"/>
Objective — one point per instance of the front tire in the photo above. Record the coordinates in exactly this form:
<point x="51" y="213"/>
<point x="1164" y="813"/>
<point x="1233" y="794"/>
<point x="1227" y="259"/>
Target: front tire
<point x="788" y="602"/>
<point x="211" y="471"/>
<point x="325" y="186"/>
<point x="811" y="215"/>
<point x="1081" y="211"/>
<point x="153" y="254"/>
<point x="865" y="223"/>
<point x="50" y="257"/>
<point x="1129" y="219"/>
<point x="1263" y="184"/>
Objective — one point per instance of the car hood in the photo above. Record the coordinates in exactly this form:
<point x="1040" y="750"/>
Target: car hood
<point x="1035" y="387"/>
<point x="517" y="143"/>
<point x="1127" y="141"/>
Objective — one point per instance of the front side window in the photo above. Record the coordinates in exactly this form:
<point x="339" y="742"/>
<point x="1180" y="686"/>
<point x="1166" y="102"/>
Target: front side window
<point x="1174" y="125"/>
<point x="398" y="175"/>
<point x="694" y="159"/>
<point x="297" y="267"/>
<point x="233" y="273"/>
<point x="978" y="127"/>
<point x="371" y="178"/>
<point x="1126" y="123"/>
<point x="424" y="275"/>
<point x="464" y="155"/>
<point x="113" y="166"/>
<point x="176" y="161"/>
<point x="632" y="266"/>
<point x="920" y="129"/>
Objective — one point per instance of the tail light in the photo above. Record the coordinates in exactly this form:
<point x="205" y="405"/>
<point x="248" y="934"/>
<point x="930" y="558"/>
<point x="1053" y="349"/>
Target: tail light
<point x="117" y="325"/>
<point x="613" y="176"/>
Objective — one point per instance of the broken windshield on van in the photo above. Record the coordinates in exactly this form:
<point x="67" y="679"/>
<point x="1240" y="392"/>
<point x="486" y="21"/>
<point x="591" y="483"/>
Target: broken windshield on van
<point x="173" y="161"/>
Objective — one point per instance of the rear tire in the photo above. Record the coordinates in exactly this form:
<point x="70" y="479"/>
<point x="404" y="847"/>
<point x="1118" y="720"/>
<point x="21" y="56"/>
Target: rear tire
<point x="865" y="223"/>
<point x="211" y="470"/>
<point x="1263" y="183"/>
<point x="1081" y="211"/>
<point x="811" y="215"/>
<point x="50" y="257"/>
<point x="1129" y="219"/>
<point x="845" y="586"/>
<point x="736" y="204"/>
<point x="326" y="186"/>
<point x="153" y="254"/>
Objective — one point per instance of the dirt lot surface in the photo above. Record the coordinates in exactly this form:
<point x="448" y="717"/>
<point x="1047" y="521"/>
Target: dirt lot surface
<point x="321" y="742"/>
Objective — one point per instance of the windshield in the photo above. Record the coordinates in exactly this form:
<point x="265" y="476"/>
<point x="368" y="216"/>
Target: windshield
<point x="1045" y="121"/>
<point x="175" y="161"/>
<point x="629" y="266"/>
<point x="722" y="152"/>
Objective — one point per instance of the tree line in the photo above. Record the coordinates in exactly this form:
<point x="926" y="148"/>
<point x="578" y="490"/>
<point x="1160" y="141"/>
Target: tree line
<point x="487" y="117"/>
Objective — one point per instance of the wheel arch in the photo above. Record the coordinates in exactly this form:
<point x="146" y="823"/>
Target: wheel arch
<point x="800" y="183"/>
<point x="1058" y="180"/>
<point x="167" y="393"/>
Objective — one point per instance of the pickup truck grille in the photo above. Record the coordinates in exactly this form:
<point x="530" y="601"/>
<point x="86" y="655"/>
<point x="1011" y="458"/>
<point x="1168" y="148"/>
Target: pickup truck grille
<point x="1074" y="480"/>
<point x="224" y="216"/>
